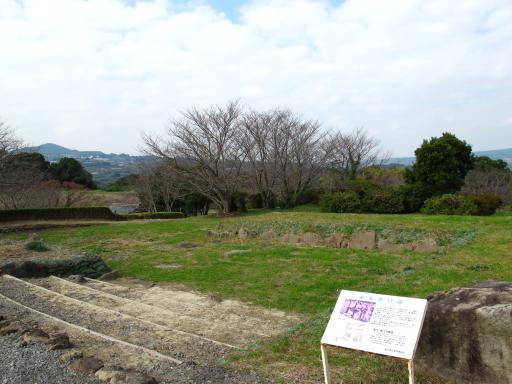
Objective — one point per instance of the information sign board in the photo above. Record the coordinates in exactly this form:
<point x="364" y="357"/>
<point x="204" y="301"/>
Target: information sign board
<point x="383" y="324"/>
<point x="388" y="325"/>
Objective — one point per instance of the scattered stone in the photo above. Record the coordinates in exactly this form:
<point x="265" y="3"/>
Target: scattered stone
<point x="311" y="238"/>
<point x="186" y="245"/>
<point x="408" y="270"/>
<point x="8" y="328"/>
<point x="466" y="334"/>
<point x="111" y="374"/>
<point x="76" y="278"/>
<point x="35" y="335"/>
<point x="86" y="365"/>
<point x="425" y="245"/>
<point x="110" y="276"/>
<point x="134" y="377"/>
<point x="58" y="341"/>
<point x="363" y="240"/>
<point x="291" y="238"/>
<point x="168" y="266"/>
<point x="237" y="251"/>
<point x="268" y="235"/>
<point x="337" y="240"/>
<point x="69" y="355"/>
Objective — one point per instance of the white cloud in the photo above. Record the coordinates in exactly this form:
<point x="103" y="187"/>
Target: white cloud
<point x="93" y="74"/>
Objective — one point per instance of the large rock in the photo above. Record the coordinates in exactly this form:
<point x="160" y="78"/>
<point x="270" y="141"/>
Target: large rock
<point x="85" y="265"/>
<point x="118" y="375"/>
<point x="290" y="238"/>
<point x="337" y="240"/>
<point x="311" y="238"/>
<point x="425" y="245"/>
<point x="244" y="234"/>
<point x="363" y="240"/>
<point x="7" y="327"/>
<point x="86" y="365"/>
<point x="269" y="234"/>
<point x="35" y="335"/>
<point x="70" y="355"/>
<point x="467" y="334"/>
<point x="58" y="341"/>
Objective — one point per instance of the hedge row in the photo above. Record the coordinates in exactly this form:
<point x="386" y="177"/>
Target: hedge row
<point x="96" y="213"/>
<point x="154" y="215"/>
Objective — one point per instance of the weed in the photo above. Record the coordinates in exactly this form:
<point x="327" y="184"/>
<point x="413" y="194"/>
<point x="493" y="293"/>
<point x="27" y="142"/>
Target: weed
<point x="37" y="246"/>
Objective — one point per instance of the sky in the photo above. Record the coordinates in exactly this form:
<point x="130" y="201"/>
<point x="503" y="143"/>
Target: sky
<point x="95" y="74"/>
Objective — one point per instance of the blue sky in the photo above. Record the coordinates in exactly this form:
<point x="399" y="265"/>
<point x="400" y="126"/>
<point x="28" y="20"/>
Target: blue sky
<point x="94" y="74"/>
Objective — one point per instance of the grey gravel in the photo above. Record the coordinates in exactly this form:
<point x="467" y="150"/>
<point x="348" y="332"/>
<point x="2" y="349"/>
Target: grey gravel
<point x="33" y="364"/>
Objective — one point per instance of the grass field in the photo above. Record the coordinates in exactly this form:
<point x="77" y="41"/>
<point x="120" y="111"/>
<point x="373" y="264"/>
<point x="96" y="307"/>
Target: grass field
<point x="304" y="280"/>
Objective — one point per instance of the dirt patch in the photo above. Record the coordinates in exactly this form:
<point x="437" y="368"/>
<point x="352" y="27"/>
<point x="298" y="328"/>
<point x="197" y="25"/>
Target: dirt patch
<point x="14" y="250"/>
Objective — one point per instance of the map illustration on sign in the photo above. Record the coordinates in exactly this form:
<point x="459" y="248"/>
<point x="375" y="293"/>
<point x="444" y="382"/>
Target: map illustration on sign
<point x="388" y="325"/>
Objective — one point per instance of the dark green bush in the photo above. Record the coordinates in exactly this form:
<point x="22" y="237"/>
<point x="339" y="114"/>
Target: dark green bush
<point x="383" y="200"/>
<point x="486" y="203"/>
<point x="154" y="215"/>
<point x="97" y="213"/>
<point x="341" y="202"/>
<point x="450" y="204"/>
<point x="37" y="245"/>
<point x="414" y="196"/>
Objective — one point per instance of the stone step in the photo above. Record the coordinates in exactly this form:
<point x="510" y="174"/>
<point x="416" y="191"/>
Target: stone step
<point x="259" y="320"/>
<point x="176" y="344"/>
<point x="213" y="328"/>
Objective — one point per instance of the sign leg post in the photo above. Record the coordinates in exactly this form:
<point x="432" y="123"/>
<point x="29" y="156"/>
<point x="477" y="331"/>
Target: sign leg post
<point x="325" y="363"/>
<point x="410" y="365"/>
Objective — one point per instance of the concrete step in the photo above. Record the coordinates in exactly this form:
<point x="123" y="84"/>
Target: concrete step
<point x="175" y="344"/>
<point x="213" y="328"/>
<point x="259" y="320"/>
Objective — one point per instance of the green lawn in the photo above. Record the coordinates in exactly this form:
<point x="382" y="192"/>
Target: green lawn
<point x="305" y="280"/>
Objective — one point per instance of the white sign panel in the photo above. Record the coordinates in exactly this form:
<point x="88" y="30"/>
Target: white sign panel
<point x="388" y="325"/>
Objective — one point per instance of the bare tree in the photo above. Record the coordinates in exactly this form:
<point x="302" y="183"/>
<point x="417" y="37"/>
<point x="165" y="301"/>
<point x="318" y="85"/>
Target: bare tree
<point x="284" y="152"/>
<point x="354" y="152"/>
<point x="255" y="139"/>
<point x="147" y="186"/>
<point x="9" y="142"/>
<point x="203" y="145"/>
<point x="489" y="180"/>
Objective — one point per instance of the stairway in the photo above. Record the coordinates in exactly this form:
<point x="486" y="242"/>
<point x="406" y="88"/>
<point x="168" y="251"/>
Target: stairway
<point x="140" y="325"/>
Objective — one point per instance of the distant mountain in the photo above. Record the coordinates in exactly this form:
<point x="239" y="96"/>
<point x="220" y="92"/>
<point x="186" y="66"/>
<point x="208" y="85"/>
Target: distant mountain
<point x="503" y="154"/>
<point x="105" y="168"/>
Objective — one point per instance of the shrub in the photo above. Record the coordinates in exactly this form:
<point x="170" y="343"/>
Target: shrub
<point x="341" y="202"/>
<point x="414" y="197"/>
<point x="449" y="204"/>
<point x="154" y="215"/>
<point x="37" y="245"/>
<point x="486" y="203"/>
<point x="383" y="200"/>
